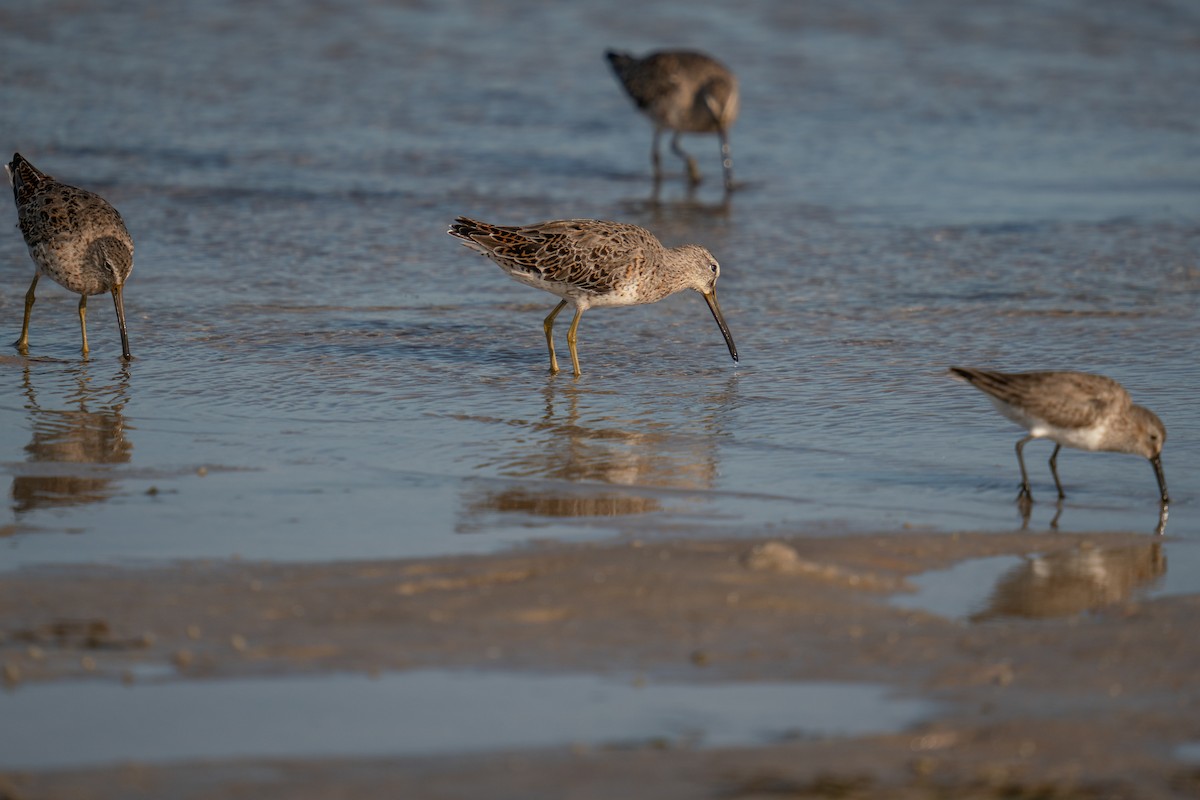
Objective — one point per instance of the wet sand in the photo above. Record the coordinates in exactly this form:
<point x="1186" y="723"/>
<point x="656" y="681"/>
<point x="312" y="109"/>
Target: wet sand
<point x="1052" y="694"/>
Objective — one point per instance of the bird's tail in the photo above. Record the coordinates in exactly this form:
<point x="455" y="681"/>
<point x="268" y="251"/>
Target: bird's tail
<point x="1008" y="387"/>
<point x="620" y="62"/>
<point x="24" y="177"/>
<point x="467" y="229"/>
<point x="960" y="373"/>
<point x="484" y="237"/>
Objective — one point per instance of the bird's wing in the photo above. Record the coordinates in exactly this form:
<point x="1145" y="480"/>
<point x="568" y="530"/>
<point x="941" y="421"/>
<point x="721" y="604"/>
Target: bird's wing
<point x="576" y="253"/>
<point x="1063" y="399"/>
<point x="590" y="257"/>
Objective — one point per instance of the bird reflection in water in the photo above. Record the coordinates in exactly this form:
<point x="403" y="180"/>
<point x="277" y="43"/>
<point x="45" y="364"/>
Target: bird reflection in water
<point x="1074" y="581"/>
<point x="1026" y="510"/>
<point x="71" y="447"/>
<point x="564" y="465"/>
<point x="689" y="206"/>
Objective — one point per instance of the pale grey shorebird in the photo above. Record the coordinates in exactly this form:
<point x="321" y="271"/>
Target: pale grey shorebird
<point x="1076" y="409"/>
<point x="76" y="238"/>
<point x="591" y="263"/>
<point x="684" y="92"/>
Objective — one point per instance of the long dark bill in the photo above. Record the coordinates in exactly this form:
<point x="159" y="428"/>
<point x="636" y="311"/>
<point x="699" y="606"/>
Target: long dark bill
<point x="711" y="299"/>
<point x="1156" y="462"/>
<point x="120" y="306"/>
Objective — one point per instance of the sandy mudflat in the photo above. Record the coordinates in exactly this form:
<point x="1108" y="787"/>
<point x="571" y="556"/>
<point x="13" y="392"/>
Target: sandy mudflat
<point x="1054" y="695"/>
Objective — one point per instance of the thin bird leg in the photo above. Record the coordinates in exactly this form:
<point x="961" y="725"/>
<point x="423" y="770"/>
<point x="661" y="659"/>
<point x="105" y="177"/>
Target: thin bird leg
<point x="655" y="156"/>
<point x="571" y="340"/>
<point x="714" y="109"/>
<point x="1024" y="476"/>
<point x="119" y="303"/>
<point x="83" y="322"/>
<point x="726" y="159"/>
<point x="548" y="325"/>
<point x="1054" y="471"/>
<point x="22" y="344"/>
<point x="693" y="170"/>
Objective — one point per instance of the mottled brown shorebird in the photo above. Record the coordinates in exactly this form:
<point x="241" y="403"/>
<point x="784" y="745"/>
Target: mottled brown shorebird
<point x="684" y="92"/>
<point x="1076" y="409"/>
<point x="590" y="262"/>
<point x="76" y="238"/>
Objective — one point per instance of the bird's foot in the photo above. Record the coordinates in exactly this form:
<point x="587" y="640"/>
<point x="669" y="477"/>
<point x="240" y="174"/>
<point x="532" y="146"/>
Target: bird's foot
<point x="1058" y="509"/>
<point x="1024" y="500"/>
<point x="1163" y="512"/>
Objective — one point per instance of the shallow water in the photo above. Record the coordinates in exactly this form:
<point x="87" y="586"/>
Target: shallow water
<point x="322" y="373"/>
<point x="420" y="713"/>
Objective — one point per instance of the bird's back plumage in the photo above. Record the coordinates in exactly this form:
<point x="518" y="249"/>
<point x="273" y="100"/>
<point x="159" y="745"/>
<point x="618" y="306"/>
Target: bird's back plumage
<point x="578" y="258"/>
<point x="1061" y="399"/>
<point x="682" y="90"/>
<point x="74" y="236"/>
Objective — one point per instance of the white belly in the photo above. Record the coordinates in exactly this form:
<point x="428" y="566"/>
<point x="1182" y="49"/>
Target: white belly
<point x="1089" y="438"/>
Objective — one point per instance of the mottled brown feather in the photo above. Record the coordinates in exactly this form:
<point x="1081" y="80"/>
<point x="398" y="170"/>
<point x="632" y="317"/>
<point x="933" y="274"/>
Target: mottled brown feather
<point x="578" y="253"/>
<point x="74" y="236"/>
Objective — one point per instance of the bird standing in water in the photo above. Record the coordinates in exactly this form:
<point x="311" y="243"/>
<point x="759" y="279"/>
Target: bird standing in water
<point x="1087" y="412"/>
<point x="589" y="262"/>
<point x="684" y="92"/>
<point x="76" y="238"/>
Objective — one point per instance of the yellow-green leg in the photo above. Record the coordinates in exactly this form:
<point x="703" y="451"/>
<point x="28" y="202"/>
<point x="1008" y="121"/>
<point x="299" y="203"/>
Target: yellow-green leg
<point x="548" y="326"/>
<point x="22" y="344"/>
<point x="83" y="322"/>
<point x="571" y="341"/>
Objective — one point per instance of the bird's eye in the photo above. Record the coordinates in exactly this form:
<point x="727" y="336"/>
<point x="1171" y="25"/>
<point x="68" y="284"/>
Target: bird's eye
<point x="713" y="267"/>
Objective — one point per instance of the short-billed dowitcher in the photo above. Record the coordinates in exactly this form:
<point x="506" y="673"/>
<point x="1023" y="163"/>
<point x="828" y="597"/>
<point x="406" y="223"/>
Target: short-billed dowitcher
<point x="1087" y="412"/>
<point x="76" y="238"/>
<point x="590" y="263"/>
<point x="684" y="92"/>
